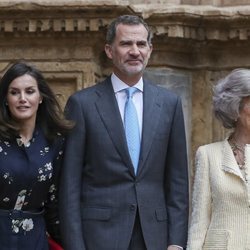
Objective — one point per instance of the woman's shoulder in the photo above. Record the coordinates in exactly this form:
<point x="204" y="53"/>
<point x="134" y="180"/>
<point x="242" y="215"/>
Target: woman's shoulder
<point x="211" y="148"/>
<point x="40" y="136"/>
<point x="213" y="145"/>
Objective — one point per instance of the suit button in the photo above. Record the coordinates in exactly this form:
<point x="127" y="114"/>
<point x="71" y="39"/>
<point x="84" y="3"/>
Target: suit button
<point x="133" y="207"/>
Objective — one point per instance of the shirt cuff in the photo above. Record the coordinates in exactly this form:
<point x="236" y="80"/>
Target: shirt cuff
<point x="181" y="248"/>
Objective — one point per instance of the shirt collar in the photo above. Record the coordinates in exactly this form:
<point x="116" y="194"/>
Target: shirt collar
<point x="119" y="85"/>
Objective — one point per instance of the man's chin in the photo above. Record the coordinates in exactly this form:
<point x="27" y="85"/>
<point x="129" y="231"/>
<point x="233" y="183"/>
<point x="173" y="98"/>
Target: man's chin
<point x="134" y="70"/>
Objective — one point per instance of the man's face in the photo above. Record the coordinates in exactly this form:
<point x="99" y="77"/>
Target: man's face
<point x="130" y="52"/>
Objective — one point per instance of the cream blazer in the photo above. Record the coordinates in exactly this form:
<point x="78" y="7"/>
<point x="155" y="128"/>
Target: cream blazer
<point x="220" y="218"/>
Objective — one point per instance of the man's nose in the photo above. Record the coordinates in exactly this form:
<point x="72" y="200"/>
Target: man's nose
<point x="134" y="50"/>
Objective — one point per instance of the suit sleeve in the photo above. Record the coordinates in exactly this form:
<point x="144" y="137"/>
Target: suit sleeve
<point x="201" y="202"/>
<point x="51" y="205"/>
<point x="177" y="187"/>
<point x="70" y="187"/>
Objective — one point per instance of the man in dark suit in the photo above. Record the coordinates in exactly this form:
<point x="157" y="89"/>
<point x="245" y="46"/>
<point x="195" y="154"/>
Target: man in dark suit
<point x="113" y="198"/>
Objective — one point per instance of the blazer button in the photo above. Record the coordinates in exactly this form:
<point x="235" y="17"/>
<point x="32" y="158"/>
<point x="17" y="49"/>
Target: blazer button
<point x="133" y="207"/>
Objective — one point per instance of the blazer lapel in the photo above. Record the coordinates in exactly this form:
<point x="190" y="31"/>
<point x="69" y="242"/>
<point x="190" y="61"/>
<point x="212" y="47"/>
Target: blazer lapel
<point x="108" y="110"/>
<point x="151" y="116"/>
<point x="229" y="163"/>
<point x="247" y="158"/>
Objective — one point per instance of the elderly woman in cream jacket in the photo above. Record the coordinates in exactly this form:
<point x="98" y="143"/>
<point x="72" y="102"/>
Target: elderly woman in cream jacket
<point x="220" y="218"/>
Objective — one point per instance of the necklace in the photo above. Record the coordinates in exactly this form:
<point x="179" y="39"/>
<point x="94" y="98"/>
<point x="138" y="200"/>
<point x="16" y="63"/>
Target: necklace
<point x="238" y="151"/>
<point x="239" y="154"/>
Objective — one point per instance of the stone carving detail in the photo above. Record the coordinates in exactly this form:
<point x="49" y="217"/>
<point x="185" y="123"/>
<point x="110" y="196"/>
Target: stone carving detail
<point x="196" y="22"/>
<point x="58" y="25"/>
<point x="172" y="30"/>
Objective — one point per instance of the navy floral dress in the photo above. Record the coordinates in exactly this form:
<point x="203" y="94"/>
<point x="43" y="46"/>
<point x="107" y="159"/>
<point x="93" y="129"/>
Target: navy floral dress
<point x="28" y="192"/>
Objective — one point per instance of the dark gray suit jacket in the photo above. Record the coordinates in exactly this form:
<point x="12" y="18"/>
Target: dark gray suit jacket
<point x="100" y="193"/>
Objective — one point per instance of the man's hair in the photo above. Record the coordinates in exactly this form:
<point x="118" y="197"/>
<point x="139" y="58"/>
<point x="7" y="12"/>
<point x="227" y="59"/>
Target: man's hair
<point x="127" y="20"/>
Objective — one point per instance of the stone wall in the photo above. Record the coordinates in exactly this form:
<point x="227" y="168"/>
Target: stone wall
<point x="195" y="43"/>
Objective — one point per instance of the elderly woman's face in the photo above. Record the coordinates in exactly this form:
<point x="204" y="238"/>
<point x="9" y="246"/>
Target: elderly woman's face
<point x="244" y="117"/>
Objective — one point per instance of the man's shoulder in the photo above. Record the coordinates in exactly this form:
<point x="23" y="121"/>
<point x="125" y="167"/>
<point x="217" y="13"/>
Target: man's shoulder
<point x="88" y="91"/>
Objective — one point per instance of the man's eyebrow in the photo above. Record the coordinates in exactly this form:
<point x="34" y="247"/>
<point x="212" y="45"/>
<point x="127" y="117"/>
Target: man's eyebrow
<point x="132" y="41"/>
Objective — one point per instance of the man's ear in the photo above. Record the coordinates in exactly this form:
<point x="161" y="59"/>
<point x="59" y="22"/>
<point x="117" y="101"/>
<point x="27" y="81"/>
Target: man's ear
<point x="108" y="51"/>
<point x="151" y="49"/>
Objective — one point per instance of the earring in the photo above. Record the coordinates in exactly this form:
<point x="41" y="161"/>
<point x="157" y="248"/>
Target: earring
<point x="40" y="101"/>
<point x="6" y="104"/>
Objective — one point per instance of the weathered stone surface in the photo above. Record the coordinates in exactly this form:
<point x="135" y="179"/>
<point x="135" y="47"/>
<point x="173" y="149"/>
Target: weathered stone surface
<point x="179" y="82"/>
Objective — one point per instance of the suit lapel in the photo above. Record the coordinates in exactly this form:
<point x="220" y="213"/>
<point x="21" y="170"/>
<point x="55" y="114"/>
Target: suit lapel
<point x="108" y="110"/>
<point x="151" y="116"/>
<point x="229" y="163"/>
<point x="247" y="158"/>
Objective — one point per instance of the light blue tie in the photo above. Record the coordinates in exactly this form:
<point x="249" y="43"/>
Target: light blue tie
<point x="131" y="125"/>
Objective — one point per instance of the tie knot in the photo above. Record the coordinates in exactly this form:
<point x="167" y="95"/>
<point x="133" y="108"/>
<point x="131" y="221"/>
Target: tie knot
<point x="130" y="91"/>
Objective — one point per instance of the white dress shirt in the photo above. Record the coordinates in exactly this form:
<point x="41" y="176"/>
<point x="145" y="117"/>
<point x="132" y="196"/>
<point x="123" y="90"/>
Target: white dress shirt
<point x="119" y="88"/>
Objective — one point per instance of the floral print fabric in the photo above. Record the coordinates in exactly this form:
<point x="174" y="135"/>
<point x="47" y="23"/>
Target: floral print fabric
<point x="28" y="182"/>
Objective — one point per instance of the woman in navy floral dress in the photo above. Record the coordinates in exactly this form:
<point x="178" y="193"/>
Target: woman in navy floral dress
<point x="31" y="143"/>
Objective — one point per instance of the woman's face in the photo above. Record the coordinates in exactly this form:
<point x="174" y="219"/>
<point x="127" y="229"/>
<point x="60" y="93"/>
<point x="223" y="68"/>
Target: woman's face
<point x="23" y="98"/>
<point x="244" y="117"/>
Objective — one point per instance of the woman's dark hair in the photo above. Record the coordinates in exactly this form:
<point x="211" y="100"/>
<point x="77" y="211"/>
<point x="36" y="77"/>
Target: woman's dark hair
<point x="49" y="114"/>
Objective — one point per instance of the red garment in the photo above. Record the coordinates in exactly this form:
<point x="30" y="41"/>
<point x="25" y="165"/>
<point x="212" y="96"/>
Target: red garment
<point x="54" y="245"/>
